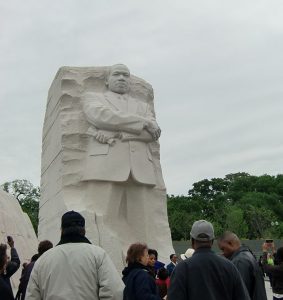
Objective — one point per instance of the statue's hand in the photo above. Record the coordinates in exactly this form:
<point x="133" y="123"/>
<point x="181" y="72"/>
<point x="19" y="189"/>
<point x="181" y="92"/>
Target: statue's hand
<point x="106" y="137"/>
<point x="153" y="129"/>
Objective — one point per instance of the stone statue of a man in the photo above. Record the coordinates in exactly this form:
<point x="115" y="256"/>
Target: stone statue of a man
<point x="119" y="167"/>
<point x="109" y="154"/>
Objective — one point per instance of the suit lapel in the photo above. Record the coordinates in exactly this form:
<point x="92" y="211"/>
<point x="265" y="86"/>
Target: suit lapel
<point x="125" y="103"/>
<point x="116" y="101"/>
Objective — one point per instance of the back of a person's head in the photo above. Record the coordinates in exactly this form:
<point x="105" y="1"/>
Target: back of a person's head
<point x="229" y="236"/>
<point x="73" y="223"/>
<point x="135" y="252"/>
<point x="43" y="246"/>
<point x="162" y="273"/>
<point x="202" y="234"/>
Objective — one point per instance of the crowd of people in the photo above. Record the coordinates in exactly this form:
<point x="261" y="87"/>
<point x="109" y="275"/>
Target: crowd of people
<point x="76" y="269"/>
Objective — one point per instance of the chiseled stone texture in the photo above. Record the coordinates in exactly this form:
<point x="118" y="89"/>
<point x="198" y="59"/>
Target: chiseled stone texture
<point x="16" y="223"/>
<point x="66" y="144"/>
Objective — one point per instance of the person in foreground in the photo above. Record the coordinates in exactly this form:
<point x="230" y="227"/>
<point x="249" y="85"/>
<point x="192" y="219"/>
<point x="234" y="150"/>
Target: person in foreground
<point x="140" y="285"/>
<point x="246" y="264"/>
<point x="206" y="275"/>
<point x="74" y="269"/>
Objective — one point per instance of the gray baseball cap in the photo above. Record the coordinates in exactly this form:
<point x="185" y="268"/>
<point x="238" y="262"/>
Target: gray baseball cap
<point x="202" y="231"/>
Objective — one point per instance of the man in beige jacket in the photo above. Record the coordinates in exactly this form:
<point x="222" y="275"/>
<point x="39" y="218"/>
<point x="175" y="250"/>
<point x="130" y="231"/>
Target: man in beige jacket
<point x="74" y="269"/>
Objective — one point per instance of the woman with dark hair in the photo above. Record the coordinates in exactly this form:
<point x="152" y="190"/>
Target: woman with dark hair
<point x="276" y="272"/>
<point x="5" y="290"/>
<point x="152" y="259"/>
<point x="139" y="284"/>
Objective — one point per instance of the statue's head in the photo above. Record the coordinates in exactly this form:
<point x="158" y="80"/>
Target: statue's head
<point x="118" y="80"/>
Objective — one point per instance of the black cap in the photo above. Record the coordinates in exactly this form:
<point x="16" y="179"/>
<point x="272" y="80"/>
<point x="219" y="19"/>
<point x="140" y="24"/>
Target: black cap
<point x="72" y="218"/>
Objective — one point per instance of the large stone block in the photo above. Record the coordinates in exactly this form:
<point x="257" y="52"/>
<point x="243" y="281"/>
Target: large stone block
<point x="101" y="157"/>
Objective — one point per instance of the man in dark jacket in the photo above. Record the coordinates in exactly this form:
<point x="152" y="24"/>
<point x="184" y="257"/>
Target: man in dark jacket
<point x="170" y="267"/>
<point x="245" y="262"/>
<point x="206" y="275"/>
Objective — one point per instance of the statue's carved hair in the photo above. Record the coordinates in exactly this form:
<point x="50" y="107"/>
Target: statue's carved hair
<point x="109" y="70"/>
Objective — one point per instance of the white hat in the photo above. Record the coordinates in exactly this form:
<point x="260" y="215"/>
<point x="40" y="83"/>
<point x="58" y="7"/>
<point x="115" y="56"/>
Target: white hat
<point x="187" y="254"/>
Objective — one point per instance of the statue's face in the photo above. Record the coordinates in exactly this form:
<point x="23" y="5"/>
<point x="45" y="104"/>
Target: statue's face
<point x="119" y="79"/>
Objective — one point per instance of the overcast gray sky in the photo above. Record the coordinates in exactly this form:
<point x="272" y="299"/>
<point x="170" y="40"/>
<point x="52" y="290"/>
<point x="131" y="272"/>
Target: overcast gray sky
<point x="215" y="66"/>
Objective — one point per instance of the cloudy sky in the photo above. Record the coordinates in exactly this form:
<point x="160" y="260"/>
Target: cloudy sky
<point x="215" y="66"/>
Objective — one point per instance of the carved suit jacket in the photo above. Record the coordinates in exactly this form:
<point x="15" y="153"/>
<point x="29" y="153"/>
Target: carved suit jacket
<point x="121" y="118"/>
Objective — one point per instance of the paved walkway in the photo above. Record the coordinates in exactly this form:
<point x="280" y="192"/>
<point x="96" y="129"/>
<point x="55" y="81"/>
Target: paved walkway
<point x="268" y="290"/>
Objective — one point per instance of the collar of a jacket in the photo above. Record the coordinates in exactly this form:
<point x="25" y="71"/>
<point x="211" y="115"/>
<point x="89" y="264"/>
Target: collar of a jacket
<point x="73" y="238"/>
<point x="203" y="249"/>
<point x="240" y="249"/>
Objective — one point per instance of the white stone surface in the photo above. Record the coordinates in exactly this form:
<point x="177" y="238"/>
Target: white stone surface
<point x="100" y="156"/>
<point x="16" y="223"/>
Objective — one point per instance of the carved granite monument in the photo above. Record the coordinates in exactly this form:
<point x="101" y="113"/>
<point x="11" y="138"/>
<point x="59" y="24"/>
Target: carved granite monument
<point x="100" y="156"/>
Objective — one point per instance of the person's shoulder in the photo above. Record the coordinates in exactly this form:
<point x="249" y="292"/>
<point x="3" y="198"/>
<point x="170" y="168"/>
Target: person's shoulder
<point x="170" y="265"/>
<point x="184" y="264"/>
<point x="243" y="255"/>
<point x="142" y="275"/>
<point x="84" y="247"/>
<point x="94" y="251"/>
<point x="224" y="262"/>
<point x="139" y="274"/>
<point x="96" y="248"/>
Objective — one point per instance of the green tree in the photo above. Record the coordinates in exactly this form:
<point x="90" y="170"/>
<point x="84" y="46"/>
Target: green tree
<point x="235" y="221"/>
<point x="28" y="196"/>
<point x="238" y="202"/>
<point x="258" y="220"/>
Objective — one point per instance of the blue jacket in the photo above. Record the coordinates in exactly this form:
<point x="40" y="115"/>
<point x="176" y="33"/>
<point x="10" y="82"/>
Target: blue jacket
<point x="139" y="284"/>
<point x="170" y="267"/>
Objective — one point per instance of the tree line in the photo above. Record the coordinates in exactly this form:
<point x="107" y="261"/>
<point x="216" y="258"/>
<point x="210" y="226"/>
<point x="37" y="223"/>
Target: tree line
<point x="28" y="197"/>
<point x="251" y="206"/>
